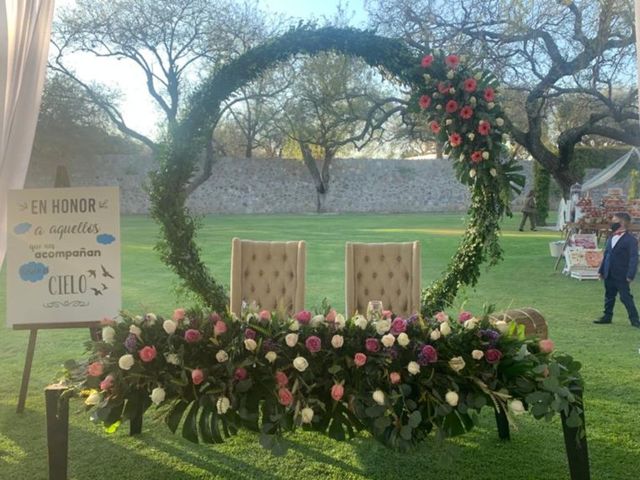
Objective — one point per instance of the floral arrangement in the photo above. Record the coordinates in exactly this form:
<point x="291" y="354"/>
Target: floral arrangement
<point x="398" y="378"/>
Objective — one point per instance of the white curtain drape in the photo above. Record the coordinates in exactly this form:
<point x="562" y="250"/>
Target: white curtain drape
<point x="25" y="29"/>
<point x="608" y="173"/>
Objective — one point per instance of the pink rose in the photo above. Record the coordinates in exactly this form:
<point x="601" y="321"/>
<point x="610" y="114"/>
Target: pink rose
<point x="337" y="391"/>
<point x="484" y="128"/>
<point x="240" y="374"/>
<point x="107" y="383"/>
<point x="489" y="94"/>
<point x="464" y="316"/>
<point x="451" y="106"/>
<point x="219" y="328"/>
<point x="281" y="379"/>
<point x="285" y="397"/>
<point x="303" y="317"/>
<point x="331" y="316"/>
<point x="192" y="335"/>
<point x="493" y="355"/>
<point x="265" y="315"/>
<point x="424" y="101"/>
<point x="250" y="333"/>
<point x="179" y="314"/>
<point x="372" y="344"/>
<point x="215" y="317"/>
<point x="395" y="378"/>
<point x="470" y="85"/>
<point x="313" y="344"/>
<point x="387" y="313"/>
<point x="95" y="369"/>
<point x="359" y="359"/>
<point x="546" y="345"/>
<point x="197" y="376"/>
<point x="427" y="60"/>
<point x="429" y="353"/>
<point x="452" y="61"/>
<point x="441" y="317"/>
<point x="147" y="354"/>
<point x="455" y="139"/>
<point x="466" y="112"/>
<point x="398" y="326"/>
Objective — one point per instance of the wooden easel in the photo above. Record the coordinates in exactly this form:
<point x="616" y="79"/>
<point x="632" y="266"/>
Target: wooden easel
<point x="62" y="181"/>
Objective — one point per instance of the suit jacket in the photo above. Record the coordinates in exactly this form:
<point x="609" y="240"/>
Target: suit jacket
<point x="620" y="262"/>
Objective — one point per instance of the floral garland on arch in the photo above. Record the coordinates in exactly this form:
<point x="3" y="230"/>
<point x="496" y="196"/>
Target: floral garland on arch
<point x="398" y="378"/>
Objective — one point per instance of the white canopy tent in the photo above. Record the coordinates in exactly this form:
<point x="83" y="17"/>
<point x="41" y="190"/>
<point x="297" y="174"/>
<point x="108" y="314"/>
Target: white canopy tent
<point x="25" y="29"/>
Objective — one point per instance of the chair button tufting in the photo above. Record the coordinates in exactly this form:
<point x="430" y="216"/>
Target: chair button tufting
<point x="359" y="275"/>
<point x="382" y="291"/>
<point x="390" y="274"/>
<point x="399" y="258"/>
<point x="375" y="274"/>
<point x="366" y="291"/>
<point x="398" y="292"/>
<point x="246" y="273"/>
<point x="382" y="258"/>
<point x="253" y="257"/>
<point x="269" y="257"/>
<point x="366" y="258"/>
<point x="276" y="273"/>
<point x="260" y="273"/>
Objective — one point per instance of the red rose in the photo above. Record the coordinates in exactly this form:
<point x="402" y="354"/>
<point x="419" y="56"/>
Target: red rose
<point x="197" y="376"/>
<point x="424" y="102"/>
<point x="313" y="344"/>
<point x="372" y="345"/>
<point x="281" y="379"/>
<point x="476" y="157"/>
<point x="95" y="369"/>
<point x="147" y="354"/>
<point x="466" y="112"/>
<point x="435" y="127"/>
<point x="240" y="374"/>
<point x="470" y="85"/>
<point x="489" y="94"/>
<point x="452" y="61"/>
<point x="451" y="106"/>
<point x="493" y="355"/>
<point x="303" y="317"/>
<point x="427" y="60"/>
<point x="359" y="359"/>
<point x="443" y="87"/>
<point x="455" y="139"/>
<point x="484" y="128"/>
<point x="192" y="335"/>
<point x="429" y="353"/>
<point x="285" y="397"/>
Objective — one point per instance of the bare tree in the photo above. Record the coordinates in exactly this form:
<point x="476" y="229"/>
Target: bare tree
<point x="579" y="51"/>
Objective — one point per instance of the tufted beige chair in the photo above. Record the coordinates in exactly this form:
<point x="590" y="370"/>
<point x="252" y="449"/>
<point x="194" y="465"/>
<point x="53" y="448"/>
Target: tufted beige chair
<point x="390" y="272"/>
<point x="272" y="274"/>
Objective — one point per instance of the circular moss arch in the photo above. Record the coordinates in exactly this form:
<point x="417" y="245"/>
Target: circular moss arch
<point x="489" y="182"/>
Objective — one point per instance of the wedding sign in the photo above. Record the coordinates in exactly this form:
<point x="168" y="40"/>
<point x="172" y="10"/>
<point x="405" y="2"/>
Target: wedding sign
<point x="63" y="260"/>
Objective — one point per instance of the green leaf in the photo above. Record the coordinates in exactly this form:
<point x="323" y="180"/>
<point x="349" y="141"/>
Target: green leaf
<point x="415" y="419"/>
<point x="203" y="426"/>
<point x="573" y="420"/>
<point x="190" y="426"/>
<point x="375" y="411"/>
<point x="175" y="415"/>
<point x="267" y="440"/>
<point x="405" y="432"/>
<point x="336" y="431"/>
<point x="381" y="423"/>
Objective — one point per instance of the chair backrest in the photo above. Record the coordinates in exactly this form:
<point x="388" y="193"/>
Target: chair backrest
<point x="389" y="272"/>
<point x="271" y="274"/>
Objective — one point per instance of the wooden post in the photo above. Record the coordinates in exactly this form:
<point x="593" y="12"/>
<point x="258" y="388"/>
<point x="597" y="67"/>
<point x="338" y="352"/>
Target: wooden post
<point x="26" y="372"/>
<point x="57" y="411"/>
<point x="577" y="451"/>
<point x="503" y="424"/>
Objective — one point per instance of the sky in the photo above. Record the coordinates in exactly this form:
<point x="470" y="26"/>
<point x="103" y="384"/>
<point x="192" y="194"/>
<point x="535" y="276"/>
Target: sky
<point x="136" y="106"/>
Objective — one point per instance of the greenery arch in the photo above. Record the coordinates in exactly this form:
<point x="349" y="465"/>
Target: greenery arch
<point x="475" y="142"/>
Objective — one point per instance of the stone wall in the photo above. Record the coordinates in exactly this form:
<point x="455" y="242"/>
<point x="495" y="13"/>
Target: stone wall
<point x="250" y="185"/>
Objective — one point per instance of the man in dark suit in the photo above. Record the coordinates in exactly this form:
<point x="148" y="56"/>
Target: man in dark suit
<point x="618" y="269"/>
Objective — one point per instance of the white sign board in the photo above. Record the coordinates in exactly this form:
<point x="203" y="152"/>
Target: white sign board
<point x="63" y="255"/>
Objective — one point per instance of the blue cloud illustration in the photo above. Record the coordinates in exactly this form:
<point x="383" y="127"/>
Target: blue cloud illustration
<point x="33" y="271"/>
<point x="22" y="228"/>
<point x="105" y="238"/>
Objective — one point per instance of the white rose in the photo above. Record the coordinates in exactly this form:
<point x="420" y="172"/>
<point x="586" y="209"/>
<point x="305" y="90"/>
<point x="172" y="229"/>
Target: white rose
<point x="137" y="319"/>
<point x="151" y="318"/>
<point x="403" y="339"/>
<point x="478" y="75"/>
<point x="435" y="335"/>
<point x="271" y="356"/>
<point x="477" y="354"/>
<point x="291" y="339"/>
<point x="471" y="323"/>
<point x="300" y="364"/>
<point x="502" y="326"/>
<point x="108" y="334"/>
<point x="438" y="107"/>
<point x="471" y="136"/>
<point x="222" y="356"/>
<point x="361" y="322"/>
<point x="490" y="105"/>
<point x="93" y="399"/>
<point x="452" y="398"/>
<point x="337" y="341"/>
<point x="450" y="74"/>
<point x="388" y="340"/>
<point x="445" y="328"/>
<point x="378" y="397"/>
<point x="413" y="368"/>
<point x="426" y="76"/>
<point x="317" y="320"/>
<point x="172" y="358"/>
<point x="505" y="137"/>
<point x="125" y="362"/>
<point x="383" y="326"/>
<point x="493" y="172"/>
<point x="306" y="414"/>
<point x="448" y="121"/>
<point x="222" y="405"/>
<point x="516" y="407"/>
<point x="135" y="330"/>
<point x="485" y="155"/>
<point x="340" y="321"/>
<point x="457" y="364"/>
<point x="250" y="344"/>
<point x="473" y="101"/>
<point x="158" y="395"/>
<point x="472" y="173"/>
<point x="294" y="326"/>
<point x="499" y="122"/>
<point x="169" y="326"/>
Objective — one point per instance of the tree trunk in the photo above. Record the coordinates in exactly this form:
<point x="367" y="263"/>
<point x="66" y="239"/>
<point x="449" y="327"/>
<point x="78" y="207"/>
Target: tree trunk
<point x="439" y="149"/>
<point x="312" y="166"/>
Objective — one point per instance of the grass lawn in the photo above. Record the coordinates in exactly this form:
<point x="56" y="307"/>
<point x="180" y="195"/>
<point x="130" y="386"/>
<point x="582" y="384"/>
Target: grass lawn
<point x="609" y="354"/>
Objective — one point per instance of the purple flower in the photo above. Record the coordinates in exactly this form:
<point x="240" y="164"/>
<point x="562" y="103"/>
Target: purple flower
<point x="429" y="353"/>
<point x="412" y="319"/>
<point x="393" y="352"/>
<point x="313" y="344"/>
<point x="130" y="343"/>
<point x="372" y="344"/>
<point x="398" y="326"/>
<point x="491" y="335"/>
<point x="269" y="345"/>
<point x="249" y="333"/>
